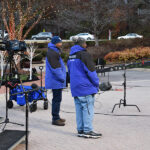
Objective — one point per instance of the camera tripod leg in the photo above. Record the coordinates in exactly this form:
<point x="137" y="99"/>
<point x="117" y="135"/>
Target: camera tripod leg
<point x="16" y="124"/>
<point x="8" y="122"/>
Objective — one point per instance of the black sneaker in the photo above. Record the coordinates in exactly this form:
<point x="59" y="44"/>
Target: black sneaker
<point x="92" y="134"/>
<point x="80" y="133"/>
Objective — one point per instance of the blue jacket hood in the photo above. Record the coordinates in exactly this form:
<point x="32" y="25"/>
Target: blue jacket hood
<point x="53" y="47"/>
<point x="75" y="49"/>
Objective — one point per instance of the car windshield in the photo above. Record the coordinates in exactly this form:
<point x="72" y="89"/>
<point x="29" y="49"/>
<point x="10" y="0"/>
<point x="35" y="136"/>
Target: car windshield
<point x="44" y="33"/>
<point x="131" y="34"/>
<point x="83" y="34"/>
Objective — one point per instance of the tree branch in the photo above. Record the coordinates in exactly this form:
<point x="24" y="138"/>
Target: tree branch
<point x="33" y="25"/>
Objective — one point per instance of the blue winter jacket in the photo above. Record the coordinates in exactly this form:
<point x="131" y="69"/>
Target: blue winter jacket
<point x="55" y="76"/>
<point x="83" y="77"/>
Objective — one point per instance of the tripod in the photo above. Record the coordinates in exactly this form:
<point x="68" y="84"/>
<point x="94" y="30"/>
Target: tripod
<point x="10" y="61"/>
<point x="124" y="101"/>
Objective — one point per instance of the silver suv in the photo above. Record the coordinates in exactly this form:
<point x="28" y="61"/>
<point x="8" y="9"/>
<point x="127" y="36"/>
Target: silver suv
<point x="42" y="36"/>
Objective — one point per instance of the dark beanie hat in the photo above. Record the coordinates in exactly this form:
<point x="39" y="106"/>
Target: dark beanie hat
<point x="56" y="39"/>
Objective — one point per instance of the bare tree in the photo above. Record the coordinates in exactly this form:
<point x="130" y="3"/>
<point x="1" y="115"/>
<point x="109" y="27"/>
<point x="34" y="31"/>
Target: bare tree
<point x="31" y="48"/>
<point x="16" y="14"/>
<point x="89" y="16"/>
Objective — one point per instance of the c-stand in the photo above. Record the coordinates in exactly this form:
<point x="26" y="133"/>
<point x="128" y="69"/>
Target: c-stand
<point x="124" y="101"/>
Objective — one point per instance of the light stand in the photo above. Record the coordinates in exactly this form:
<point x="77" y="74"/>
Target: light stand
<point x="124" y="101"/>
<point x="41" y="68"/>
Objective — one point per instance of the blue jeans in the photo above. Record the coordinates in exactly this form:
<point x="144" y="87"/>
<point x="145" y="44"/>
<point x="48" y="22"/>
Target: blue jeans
<point x="56" y="101"/>
<point x="84" y="112"/>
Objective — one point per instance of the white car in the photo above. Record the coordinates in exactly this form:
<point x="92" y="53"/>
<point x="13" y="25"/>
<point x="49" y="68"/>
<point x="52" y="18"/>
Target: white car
<point x="130" y="36"/>
<point x="86" y="36"/>
<point x="5" y="34"/>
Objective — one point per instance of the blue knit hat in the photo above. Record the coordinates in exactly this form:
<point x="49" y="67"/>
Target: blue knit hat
<point x="56" y="39"/>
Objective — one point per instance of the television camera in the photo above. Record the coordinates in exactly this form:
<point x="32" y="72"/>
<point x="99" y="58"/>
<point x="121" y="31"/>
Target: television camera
<point x="13" y="45"/>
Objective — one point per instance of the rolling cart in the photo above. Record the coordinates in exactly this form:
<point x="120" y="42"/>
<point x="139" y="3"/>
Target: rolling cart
<point x="33" y="97"/>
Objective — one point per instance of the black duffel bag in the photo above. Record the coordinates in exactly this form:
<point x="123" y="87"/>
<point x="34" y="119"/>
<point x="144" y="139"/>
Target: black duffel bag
<point x="105" y="86"/>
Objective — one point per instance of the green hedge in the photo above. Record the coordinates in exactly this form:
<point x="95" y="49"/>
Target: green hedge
<point x="38" y="58"/>
<point x="65" y="56"/>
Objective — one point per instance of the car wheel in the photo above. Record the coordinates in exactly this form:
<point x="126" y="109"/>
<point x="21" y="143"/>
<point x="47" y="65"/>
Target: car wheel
<point x="89" y="39"/>
<point x="48" y="39"/>
<point x="33" y="107"/>
<point x="10" y="104"/>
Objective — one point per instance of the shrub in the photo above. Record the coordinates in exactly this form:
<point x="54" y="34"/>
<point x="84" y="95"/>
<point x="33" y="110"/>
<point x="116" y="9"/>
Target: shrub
<point x="128" y="55"/>
<point x="38" y="58"/>
<point x="67" y="45"/>
<point x="65" y="56"/>
<point x="38" y="51"/>
<point x="44" y="52"/>
<point x="42" y="45"/>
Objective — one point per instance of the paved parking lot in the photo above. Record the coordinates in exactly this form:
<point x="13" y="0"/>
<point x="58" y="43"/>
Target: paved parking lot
<point x="119" y="132"/>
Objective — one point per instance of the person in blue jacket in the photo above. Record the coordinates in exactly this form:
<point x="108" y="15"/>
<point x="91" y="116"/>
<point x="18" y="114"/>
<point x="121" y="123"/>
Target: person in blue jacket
<point x="84" y="84"/>
<point x="55" y="77"/>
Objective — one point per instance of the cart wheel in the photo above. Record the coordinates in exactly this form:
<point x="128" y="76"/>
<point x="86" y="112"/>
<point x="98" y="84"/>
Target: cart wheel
<point x="10" y="104"/>
<point x="45" y="105"/>
<point x="33" y="107"/>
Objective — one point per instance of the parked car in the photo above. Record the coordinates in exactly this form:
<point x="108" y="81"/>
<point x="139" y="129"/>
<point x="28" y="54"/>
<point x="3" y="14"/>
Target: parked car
<point x="130" y="36"/>
<point x="42" y="36"/>
<point x="86" y="36"/>
<point x="5" y="34"/>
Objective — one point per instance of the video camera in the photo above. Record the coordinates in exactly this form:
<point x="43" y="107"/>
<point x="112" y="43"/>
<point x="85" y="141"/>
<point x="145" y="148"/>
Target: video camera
<point x="13" y="45"/>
